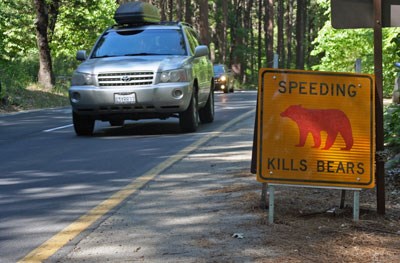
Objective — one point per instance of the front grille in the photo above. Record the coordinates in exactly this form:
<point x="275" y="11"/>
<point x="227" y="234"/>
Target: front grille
<point x="126" y="79"/>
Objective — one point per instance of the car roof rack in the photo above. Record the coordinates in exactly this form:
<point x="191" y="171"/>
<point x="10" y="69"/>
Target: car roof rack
<point x="185" y="24"/>
<point x="133" y="13"/>
<point x="164" y="23"/>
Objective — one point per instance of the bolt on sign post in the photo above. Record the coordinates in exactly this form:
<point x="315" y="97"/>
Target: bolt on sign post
<point x="316" y="128"/>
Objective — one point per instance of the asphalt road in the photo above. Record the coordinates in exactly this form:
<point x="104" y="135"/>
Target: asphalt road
<point x="49" y="177"/>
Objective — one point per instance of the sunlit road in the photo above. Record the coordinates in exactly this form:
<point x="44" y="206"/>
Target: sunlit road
<point x="49" y="177"/>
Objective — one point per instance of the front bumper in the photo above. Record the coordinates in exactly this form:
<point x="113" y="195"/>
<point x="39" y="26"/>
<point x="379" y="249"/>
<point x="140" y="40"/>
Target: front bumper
<point x="220" y="85"/>
<point x="151" y="101"/>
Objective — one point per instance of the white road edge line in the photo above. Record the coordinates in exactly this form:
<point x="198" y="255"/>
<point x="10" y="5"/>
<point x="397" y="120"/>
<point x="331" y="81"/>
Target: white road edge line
<point x="58" y="128"/>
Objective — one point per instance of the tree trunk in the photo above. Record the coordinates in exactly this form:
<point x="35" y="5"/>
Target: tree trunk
<point x="289" y="31"/>
<point x="269" y="30"/>
<point x="162" y="10"/>
<point x="300" y="32"/>
<point x="179" y="10"/>
<point x="260" y="47"/>
<point x="218" y="33"/>
<point x="247" y="24"/>
<point x="224" y="30"/>
<point x="45" y="74"/>
<point x="54" y="8"/>
<point x="171" y="10"/>
<point x="253" y="65"/>
<point x="312" y="32"/>
<point x="203" y="22"/>
<point x="280" y="47"/>
<point x="237" y="40"/>
<point x="188" y="12"/>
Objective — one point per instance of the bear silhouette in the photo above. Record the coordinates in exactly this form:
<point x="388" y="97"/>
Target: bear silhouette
<point x="332" y="121"/>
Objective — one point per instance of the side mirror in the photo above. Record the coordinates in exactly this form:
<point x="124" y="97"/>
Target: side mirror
<point x="201" y="51"/>
<point x="81" y="55"/>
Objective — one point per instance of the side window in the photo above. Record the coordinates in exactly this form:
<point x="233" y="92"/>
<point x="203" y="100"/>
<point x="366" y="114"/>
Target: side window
<point x="193" y="42"/>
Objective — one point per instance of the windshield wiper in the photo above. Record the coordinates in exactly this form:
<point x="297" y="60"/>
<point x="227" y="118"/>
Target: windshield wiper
<point x="104" y="56"/>
<point x="145" y="54"/>
<point x="142" y="54"/>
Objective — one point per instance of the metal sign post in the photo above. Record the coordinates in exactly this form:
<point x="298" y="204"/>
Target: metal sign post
<point x="380" y="163"/>
<point x="371" y="14"/>
<point x="253" y="168"/>
<point x="271" y="191"/>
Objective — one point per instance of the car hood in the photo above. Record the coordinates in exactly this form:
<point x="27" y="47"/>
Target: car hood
<point x="137" y="63"/>
<point x="218" y="75"/>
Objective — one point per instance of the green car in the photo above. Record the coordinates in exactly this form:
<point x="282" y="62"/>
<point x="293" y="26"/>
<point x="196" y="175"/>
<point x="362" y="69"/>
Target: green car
<point x="224" y="78"/>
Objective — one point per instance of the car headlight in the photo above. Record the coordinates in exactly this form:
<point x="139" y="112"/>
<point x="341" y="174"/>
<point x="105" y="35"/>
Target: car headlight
<point x="223" y="78"/>
<point x="82" y="79"/>
<point x="178" y="75"/>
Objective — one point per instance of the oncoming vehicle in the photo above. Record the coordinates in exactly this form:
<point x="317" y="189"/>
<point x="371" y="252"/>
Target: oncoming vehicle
<point x="224" y="78"/>
<point x="142" y="68"/>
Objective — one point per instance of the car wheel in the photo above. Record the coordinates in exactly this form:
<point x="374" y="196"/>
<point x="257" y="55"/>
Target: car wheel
<point x="83" y="125"/>
<point x="117" y="122"/>
<point x="189" y="119"/>
<point x="207" y="113"/>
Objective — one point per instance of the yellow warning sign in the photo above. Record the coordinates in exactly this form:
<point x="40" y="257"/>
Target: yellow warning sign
<point x="316" y="128"/>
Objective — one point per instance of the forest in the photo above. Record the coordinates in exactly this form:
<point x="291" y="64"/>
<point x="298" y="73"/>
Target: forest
<point x="39" y="38"/>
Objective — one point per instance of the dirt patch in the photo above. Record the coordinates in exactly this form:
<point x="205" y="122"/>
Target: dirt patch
<point x="7" y="107"/>
<point x="31" y="98"/>
<point x="309" y="226"/>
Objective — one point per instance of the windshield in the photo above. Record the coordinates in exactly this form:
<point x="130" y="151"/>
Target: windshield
<point x="218" y="69"/>
<point x="140" y="43"/>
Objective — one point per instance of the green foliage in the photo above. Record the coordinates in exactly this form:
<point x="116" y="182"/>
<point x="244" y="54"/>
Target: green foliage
<point x="18" y="73"/>
<point x="392" y="125"/>
<point x="338" y="50"/>
<point x="79" y="24"/>
<point x="17" y="37"/>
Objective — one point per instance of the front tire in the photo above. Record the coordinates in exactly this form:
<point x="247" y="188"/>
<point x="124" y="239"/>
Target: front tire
<point x="189" y="119"/>
<point x="207" y="113"/>
<point x="232" y="88"/>
<point x="83" y="125"/>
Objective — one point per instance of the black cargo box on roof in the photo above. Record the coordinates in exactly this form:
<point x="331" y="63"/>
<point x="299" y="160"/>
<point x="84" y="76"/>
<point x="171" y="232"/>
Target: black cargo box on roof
<point x="136" y="13"/>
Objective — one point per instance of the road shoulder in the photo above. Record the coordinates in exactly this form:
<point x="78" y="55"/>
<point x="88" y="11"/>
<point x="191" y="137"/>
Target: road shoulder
<point x="205" y="208"/>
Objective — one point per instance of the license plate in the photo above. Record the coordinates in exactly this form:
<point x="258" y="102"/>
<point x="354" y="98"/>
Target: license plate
<point x="125" y="98"/>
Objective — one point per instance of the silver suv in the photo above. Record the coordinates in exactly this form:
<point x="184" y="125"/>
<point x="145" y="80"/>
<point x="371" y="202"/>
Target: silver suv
<point x="152" y="70"/>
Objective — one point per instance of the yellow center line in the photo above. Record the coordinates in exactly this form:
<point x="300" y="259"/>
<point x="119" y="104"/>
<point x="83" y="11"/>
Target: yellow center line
<point x="51" y="246"/>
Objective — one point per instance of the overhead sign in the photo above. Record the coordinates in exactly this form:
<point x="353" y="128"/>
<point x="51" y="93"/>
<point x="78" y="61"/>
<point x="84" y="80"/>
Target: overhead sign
<point x="360" y="13"/>
<point x="316" y="128"/>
